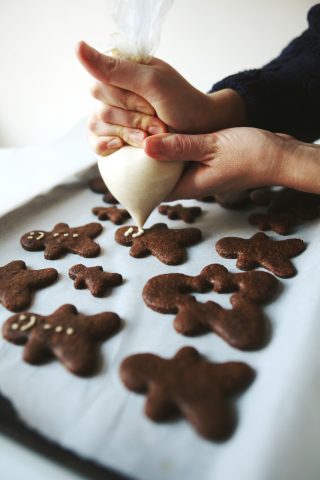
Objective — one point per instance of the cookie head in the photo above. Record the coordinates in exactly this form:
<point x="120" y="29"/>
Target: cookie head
<point x="34" y="240"/>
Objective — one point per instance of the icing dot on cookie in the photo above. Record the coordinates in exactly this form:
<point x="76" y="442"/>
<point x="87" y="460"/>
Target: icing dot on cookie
<point x="66" y="234"/>
<point x="14" y="326"/>
<point x="58" y="329"/>
<point x="75" y="235"/>
<point x="46" y="326"/>
<point x="22" y="317"/>
<point x="69" y="331"/>
<point x="56" y="234"/>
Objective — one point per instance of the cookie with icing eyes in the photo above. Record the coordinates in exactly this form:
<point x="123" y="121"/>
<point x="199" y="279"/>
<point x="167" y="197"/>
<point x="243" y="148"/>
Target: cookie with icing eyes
<point x="190" y="386"/>
<point x="67" y="335"/>
<point x="166" y="244"/>
<point x="64" y="239"/>
<point x="18" y="284"/>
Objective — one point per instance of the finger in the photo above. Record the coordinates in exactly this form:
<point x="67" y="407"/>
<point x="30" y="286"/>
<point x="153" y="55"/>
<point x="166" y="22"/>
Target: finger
<point x="115" y="71"/>
<point x="104" y="145"/>
<point x="285" y="136"/>
<point x="194" y="183"/>
<point x="175" y="147"/>
<point x="136" y="120"/>
<point x="129" y="135"/>
<point x="118" y="97"/>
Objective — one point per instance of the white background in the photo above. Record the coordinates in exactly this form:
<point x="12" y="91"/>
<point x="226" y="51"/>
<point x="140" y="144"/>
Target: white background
<point x="44" y="91"/>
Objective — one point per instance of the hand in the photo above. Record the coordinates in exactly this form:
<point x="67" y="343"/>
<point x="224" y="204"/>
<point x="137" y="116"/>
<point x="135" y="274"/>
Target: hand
<point x="136" y="100"/>
<point x="236" y="159"/>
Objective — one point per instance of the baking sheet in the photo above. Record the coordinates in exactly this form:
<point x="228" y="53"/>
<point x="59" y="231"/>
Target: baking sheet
<point x="279" y="421"/>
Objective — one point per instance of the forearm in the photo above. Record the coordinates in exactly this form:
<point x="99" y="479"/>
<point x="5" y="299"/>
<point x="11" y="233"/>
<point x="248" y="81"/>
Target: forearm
<point x="300" y="167"/>
<point x="284" y="96"/>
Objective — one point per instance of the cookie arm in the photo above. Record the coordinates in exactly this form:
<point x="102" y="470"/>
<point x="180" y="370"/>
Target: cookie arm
<point x="137" y="370"/>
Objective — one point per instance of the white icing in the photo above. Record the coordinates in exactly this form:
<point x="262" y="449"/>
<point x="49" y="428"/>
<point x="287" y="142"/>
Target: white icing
<point x="59" y="329"/>
<point x="29" y="324"/>
<point x="66" y="234"/>
<point x="40" y="235"/>
<point x="127" y="232"/>
<point x="14" y="326"/>
<point x="46" y="326"/>
<point x="139" y="182"/>
<point x="56" y="234"/>
<point x="69" y="331"/>
<point x="75" y="235"/>
<point x="22" y="317"/>
<point x="138" y="233"/>
<point x="30" y="237"/>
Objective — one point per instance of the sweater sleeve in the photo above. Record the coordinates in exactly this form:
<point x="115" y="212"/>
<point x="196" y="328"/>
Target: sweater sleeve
<point x="284" y="95"/>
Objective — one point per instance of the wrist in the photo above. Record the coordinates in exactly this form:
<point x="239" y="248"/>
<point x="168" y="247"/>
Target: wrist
<point x="227" y="109"/>
<point x="300" y="166"/>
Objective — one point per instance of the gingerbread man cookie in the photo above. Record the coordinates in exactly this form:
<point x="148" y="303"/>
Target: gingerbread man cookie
<point x="18" y="283"/>
<point x="168" y="245"/>
<point x="63" y="239"/>
<point x="97" y="185"/>
<point x="261" y="250"/>
<point x="94" y="279"/>
<point x="242" y="327"/>
<point x="281" y="223"/>
<point x="165" y="293"/>
<point x="188" y="385"/>
<point x="114" y="214"/>
<point x="67" y="335"/>
<point x="176" y="212"/>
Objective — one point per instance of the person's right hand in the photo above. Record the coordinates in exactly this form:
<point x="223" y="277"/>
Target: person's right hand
<point x="137" y="100"/>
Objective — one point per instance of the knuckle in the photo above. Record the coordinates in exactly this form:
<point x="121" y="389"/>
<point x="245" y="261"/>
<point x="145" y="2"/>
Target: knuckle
<point x="95" y="90"/>
<point x="91" y="123"/>
<point x="178" y="145"/>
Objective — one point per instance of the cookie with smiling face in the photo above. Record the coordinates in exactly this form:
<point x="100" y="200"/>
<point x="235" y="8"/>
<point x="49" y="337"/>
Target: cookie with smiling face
<point x="64" y="239"/>
<point x="69" y="336"/>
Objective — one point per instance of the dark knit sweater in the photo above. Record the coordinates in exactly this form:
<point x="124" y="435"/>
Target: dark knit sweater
<point x="284" y="95"/>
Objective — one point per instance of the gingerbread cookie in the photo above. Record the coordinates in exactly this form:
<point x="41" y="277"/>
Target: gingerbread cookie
<point x="168" y="245"/>
<point x="234" y="200"/>
<point x="165" y="293"/>
<point x="242" y="327"/>
<point x="114" y="214"/>
<point x="94" y="279"/>
<point x="97" y="185"/>
<point x="281" y="223"/>
<point x="303" y="205"/>
<point x="176" y="212"/>
<point x="67" y="335"/>
<point x="18" y="283"/>
<point x="188" y="385"/>
<point x="63" y="239"/>
<point x="261" y="250"/>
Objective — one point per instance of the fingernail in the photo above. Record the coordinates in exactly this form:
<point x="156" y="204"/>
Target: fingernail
<point x="136" y="136"/>
<point x="115" y="142"/>
<point x="154" y="146"/>
<point x="154" y="130"/>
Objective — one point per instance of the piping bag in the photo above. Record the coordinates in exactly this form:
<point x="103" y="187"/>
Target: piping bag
<point x="136" y="180"/>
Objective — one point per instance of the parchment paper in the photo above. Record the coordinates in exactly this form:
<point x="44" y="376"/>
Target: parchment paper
<point x="278" y="431"/>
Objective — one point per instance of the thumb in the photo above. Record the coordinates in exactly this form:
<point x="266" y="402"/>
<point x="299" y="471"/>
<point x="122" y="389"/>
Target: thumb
<point x="176" y="146"/>
<point x="97" y="64"/>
